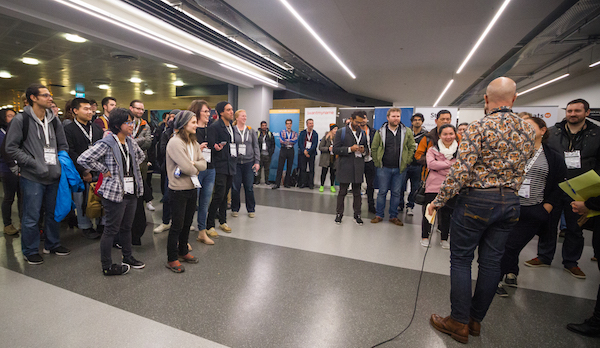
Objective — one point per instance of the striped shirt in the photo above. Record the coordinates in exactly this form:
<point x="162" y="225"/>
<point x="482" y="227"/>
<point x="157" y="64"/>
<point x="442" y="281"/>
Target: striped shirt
<point x="537" y="176"/>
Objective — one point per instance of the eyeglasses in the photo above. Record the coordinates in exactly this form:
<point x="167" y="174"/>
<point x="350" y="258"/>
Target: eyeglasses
<point x="45" y="95"/>
<point x="129" y="123"/>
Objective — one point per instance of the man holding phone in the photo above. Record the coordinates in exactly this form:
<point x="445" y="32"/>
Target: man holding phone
<point x="393" y="149"/>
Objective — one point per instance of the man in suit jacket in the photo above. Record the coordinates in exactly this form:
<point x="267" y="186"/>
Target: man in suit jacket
<point x="307" y="146"/>
<point x="350" y="145"/>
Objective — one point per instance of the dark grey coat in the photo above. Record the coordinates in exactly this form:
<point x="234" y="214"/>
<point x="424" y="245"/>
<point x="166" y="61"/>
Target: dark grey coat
<point x="350" y="169"/>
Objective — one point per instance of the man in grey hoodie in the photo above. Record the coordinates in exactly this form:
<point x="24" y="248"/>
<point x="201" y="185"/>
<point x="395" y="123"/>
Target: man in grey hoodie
<point x="36" y="154"/>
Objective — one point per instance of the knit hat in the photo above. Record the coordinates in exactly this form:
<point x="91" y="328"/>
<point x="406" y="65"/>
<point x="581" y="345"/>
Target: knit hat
<point x="332" y="126"/>
<point x="221" y="107"/>
<point x="182" y="118"/>
<point x="175" y="111"/>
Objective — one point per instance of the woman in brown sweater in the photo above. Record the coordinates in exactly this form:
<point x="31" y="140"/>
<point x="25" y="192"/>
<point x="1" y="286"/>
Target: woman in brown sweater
<point x="184" y="161"/>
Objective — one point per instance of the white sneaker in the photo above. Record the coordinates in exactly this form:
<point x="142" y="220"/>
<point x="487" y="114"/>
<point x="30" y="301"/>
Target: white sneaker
<point x="193" y="228"/>
<point x="425" y="242"/>
<point x="234" y="213"/>
<point x="162" y="227"/>
<point x="251" y="215"/>
<point x="445" y="244"/>
<point x="150" y="207"/>
<point x="409" y="212"/>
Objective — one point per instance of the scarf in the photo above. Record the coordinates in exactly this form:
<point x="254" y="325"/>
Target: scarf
<point x="448" y="152"/>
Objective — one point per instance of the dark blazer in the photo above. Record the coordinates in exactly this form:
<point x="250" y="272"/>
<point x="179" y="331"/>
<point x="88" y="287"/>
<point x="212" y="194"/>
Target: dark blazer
<point x="557" y="173"/>
<point x="79" y="142"/>
<point x="222" y="160"/>
<point x="270" y="139"/>
<point x="312" y="150"/>
<point x="350" y="169"/>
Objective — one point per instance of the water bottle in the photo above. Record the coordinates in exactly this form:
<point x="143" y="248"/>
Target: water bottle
<point x="177" y="172"/>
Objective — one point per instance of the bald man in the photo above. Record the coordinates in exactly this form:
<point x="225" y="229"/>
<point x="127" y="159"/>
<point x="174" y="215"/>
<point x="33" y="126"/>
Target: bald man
<point x="485" y="180"/>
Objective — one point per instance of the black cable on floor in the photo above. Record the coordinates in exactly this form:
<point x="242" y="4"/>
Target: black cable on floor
<point x="433" y="228"/>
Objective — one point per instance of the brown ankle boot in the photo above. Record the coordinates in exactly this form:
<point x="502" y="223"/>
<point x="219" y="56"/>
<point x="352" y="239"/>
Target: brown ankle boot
<point x="447" y="325"/>
<point x="474" y="327"/>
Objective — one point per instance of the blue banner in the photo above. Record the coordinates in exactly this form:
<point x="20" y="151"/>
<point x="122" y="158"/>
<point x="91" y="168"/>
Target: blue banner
<point x="277" y="124"/>
<point x="381" y="116"/>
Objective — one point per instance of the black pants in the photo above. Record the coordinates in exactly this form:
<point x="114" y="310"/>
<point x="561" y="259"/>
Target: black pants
<point x="10" y="182"/>
<point x="183" y="204"/>
<point x="265" y="165"/>
<point x="356" y="202"/>
<point x="285" y="154"/>
<point x="532" y="220"/>
<point x="331" y="175"/>
<point x="443" y="214"/>
<point x="119" y="218"/>
<point x="307" y="177"/>
<point x="139" y="222"/>
<point x="370" y="173"/>
<point x="218" y="205"/>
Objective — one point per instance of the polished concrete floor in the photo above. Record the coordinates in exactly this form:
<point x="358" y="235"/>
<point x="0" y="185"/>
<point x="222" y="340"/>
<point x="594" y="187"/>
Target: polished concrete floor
<point x="290" y="277"/>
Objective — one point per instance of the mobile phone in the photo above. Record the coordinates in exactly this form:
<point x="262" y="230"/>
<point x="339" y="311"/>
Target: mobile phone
<point x="223" y="143"/>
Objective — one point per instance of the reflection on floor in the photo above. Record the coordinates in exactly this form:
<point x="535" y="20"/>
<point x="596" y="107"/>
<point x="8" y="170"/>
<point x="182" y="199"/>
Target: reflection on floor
<point x="290" y="277"/>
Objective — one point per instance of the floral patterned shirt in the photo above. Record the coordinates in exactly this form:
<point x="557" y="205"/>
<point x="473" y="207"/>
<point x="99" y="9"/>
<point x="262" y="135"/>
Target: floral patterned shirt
<point x="492" y="153"/>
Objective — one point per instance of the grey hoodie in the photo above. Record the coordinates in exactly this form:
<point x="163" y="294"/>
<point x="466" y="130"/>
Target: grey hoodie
<point x="30" y="156"/>
<point x="251" y="142"/>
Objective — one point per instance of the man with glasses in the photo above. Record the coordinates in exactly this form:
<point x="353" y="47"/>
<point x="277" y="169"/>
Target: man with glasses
<point x="34" y="140"/>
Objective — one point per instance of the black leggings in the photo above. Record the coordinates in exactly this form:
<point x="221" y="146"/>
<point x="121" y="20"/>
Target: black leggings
<point x="444" y="214"/>
<point x="331" y="175"/>
<point x="10" y="182"/>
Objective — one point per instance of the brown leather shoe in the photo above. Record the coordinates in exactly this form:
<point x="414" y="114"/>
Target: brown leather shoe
<point x="474" y="327"/>
<point x="447" y="325"/>
<point x="376" y="219"/>
<point x="397" y="222"/>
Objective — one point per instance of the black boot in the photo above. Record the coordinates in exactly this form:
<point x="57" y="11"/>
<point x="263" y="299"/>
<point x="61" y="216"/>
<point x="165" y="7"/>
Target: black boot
<point x="590" y="327"/>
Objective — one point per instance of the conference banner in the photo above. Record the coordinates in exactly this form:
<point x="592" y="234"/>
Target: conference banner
<point x="548" y="113"/>
<point x="322" y="118"/>
<point x="430" y="115"/>
<point x="277" y="118"/>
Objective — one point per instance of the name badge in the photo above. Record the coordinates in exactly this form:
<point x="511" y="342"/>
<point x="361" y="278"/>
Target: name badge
<point x="207" y="154"/>
<point x="242" y="149"/>
<point x="232" y="150"/>
<point x="358" y="154"/>
<point x="573" y="159"/>
<point x="264" y="145"/>
<point x="128" y="185"/>
<point x="50" y="156"/>
<point x="308" y="145"/>
<point x="195" y="181"/>
<point x="525" y="190"/>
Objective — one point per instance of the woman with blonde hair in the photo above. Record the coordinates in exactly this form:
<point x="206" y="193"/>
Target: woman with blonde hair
<point x="248" y="160"/>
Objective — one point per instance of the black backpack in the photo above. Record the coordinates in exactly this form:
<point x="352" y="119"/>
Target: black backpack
<point x="5" y="156"/>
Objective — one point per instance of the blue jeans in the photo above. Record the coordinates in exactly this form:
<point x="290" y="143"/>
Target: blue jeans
<point x="243" y="175"/>
<point x="484" y="219"/>
<point x="390" y="179"/>
<point x="207" y="180"/>
<point x="412" y="173"/>
<point x="83" y="222"/>
<point x="34" y="194"/>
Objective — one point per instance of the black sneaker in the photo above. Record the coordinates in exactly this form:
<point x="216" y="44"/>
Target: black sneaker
<point x="90" y="233"/>
<point x="35" y="259"/>
<point x="500" y="291"/>
<point x="274" y="187"/>
<point x="338" y="219"/>
<point x="115" y="269"/>
<point x="60" y="251"/>
<point x="511" y="280"/>
<point x="358" y="220"/>
<point x="131" y="261"/>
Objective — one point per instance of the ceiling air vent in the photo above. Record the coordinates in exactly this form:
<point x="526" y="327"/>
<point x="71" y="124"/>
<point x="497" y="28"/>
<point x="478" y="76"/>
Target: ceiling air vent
<point x="123" y="55"/>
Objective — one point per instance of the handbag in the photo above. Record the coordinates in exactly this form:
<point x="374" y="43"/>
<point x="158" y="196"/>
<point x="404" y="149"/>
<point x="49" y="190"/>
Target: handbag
<point x="420" y="194"/>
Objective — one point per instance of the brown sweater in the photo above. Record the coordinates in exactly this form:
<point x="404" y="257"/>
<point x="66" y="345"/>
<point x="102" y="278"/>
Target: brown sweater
<point x="178" y="156"/>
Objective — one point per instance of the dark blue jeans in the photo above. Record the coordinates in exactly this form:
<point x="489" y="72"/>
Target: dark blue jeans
<point x="412" y="173"/>
<point x="207" y="180"/>
<point x="243" y="175"/>
<point x="34" y="194"/>
<point x="573" y="243"/>
<point x="166" y="201"/>
<point x="390" y="179"/>
<point x="484" y="219"/>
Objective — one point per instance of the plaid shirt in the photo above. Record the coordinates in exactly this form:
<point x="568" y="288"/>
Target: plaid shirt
<point x="492" y="153"/>
<point x="106" y="156"/>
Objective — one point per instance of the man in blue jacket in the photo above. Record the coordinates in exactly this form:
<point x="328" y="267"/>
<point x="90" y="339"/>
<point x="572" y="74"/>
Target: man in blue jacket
<point x="307" y="146"/>
<point x="34" y="140"/>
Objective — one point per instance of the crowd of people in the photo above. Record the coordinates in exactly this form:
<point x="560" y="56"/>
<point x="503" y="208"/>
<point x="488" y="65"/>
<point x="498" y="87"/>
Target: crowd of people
<point x="493" y="184"/>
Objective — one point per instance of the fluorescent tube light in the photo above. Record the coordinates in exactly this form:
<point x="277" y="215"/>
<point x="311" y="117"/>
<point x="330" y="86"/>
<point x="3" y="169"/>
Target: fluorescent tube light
<point x="251" y="74"/>
<point x="444" y="92"/>
<point x="594" y="64"/>
<point x="148" y="92"/>
<point x="5" y="75"/>
<point x="135" y="80"/>
<point x="543" y="84"/>
<point x="178" y="83"/>
<point x="318" y="38"/>
<point x="487" y="30"/>
<point x="74" y="38"/>
<point x="30" y="61"/>
<point x="171" y="66"/>
<point x="103" y="86"/>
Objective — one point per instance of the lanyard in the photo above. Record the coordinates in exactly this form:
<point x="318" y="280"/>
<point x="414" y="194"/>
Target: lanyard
<point x="230" y="131"/>
<point x="190" y="148"/>
<point x="355" y="137"/>
<point x="46" y="134"/>
<point x="242" y="134"/>
<point x="533" y="159"/>
<point x="2" y="130"/>
<point x="127" y="158"/>
<point x="136" y="129"/>
<point x="89" y="136"/>
<point x="368" y="133"/>
<point x="309" y="138"/>
<point x="288" y="135"/>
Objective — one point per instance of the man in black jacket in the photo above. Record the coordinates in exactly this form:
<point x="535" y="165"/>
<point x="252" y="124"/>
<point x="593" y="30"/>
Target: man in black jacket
<point x="579" y="141"/>
<point x="266" y="144"/>
<point x="81" y="134"/>
<point x="224" y="158"/>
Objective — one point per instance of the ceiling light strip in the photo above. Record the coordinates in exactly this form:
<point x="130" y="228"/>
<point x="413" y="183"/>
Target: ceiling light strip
<point x="543" y="84"/>
<point x="318" y="38"/>
<point x="250" y="74"/>
<point x="444" y="92"/>
<point x="487" y="30"/>
<point x="595" y="64"/>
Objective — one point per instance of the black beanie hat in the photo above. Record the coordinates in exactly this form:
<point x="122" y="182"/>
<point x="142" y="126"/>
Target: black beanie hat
<point x="221" y="107"/>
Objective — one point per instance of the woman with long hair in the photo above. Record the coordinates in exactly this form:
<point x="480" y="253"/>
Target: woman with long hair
<point x="248" y="163"/>
<point x="184" y="163"/>
<point x="10" y="181"/>
<point x="440" y="157"/>
<point x="327" y="159"/>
